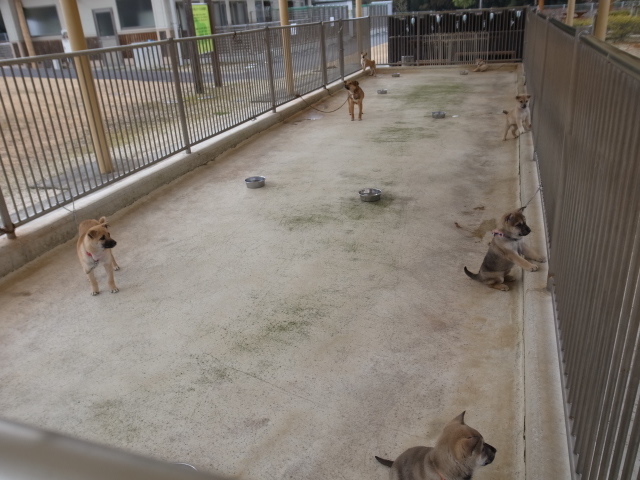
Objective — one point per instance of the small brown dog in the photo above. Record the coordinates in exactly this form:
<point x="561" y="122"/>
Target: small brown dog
<point x="481" y="66"/>
<point x="518" y="119"/>
<point x="459" y="450"/>
<point x="505" y="250"/>
<point x="366" y="62"/>
<point x="356" y="95"/>
<point x="94" y="248"/>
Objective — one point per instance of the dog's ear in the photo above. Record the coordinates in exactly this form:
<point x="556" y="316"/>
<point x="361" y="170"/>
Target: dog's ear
<point x="459" y="419"/>
<point x="508" y="218"/>
<point x="527" y="96"/>
<point x="521" y="209"/>
<point x="103" y="221"/>
<point x="355" y="83"/>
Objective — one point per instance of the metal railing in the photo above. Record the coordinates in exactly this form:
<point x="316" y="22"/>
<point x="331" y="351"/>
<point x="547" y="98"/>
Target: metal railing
<point x="450" y="38"/>
<point x="155" y="99"/>
<point x="586" y="113"/>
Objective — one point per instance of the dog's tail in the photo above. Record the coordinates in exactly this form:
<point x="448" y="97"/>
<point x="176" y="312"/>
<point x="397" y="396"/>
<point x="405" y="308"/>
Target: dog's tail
<point x="470" y="274"/>
<point x="385" y="462"/>
<point x="505" y="111"/>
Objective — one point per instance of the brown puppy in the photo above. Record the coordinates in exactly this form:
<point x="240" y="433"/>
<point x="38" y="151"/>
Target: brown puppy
<point x="368" y="63"/>
<point x="518" y="119"/>
<point x="506" y="249"/>
<point x="356" y="95"/>
<point x="459" y="450"/>
<point x="94" y="248"/>
<point x="481" y="66"/>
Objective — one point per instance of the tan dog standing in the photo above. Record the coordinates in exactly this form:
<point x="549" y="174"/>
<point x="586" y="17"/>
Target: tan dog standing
<point x="459" y="451"/>
<point x="518" y="119"/>
<point x="507" y="249"/>
<point x="94" y="248"/>
<point x="366" y="62"/>
<point x="356" y="95"/>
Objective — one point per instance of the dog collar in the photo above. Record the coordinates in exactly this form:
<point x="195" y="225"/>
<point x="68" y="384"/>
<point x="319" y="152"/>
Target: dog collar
<point x="500" y="234"/>
<point x="96" y="260"/>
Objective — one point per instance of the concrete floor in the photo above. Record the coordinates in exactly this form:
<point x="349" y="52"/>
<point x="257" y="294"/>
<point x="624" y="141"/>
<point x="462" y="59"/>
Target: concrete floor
<point x="294" y="331"/>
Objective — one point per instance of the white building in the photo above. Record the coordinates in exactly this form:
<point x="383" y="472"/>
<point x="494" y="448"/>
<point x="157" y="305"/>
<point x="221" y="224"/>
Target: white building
<point x="118" y="22"/>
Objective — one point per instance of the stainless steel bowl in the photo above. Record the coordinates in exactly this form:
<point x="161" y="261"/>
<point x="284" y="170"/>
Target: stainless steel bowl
<point x="395" y="74"/>
<point x="438" y="114"/>
<point x="382" y="91"/>
<point x="370" y="194"/>
<point x="254" y="182"/>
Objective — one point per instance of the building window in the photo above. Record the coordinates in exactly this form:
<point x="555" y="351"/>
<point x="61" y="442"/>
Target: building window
<point x="42" y="21"/>
<point x="135" y="13"/>
<point x="239" y="13"/>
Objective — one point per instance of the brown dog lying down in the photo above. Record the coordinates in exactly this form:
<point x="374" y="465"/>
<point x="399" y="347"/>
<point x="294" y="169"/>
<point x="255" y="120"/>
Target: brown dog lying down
<point x="459" y="451"/>
<point x="94" y="248"/>
<point x="356" y="95"/>
<point x="507" y="249"/>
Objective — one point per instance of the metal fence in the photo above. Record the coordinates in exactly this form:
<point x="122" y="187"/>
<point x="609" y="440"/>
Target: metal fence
<point x="450" y="38"/>
<point x="155" y="99"/>
<point x="586" y="113"/>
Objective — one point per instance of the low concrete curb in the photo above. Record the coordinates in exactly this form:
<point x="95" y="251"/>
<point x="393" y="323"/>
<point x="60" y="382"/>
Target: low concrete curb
<point x="546" y="447"/>
<point x="41" y="235"/>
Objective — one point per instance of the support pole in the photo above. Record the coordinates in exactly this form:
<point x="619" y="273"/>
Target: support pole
<point x="602" y="20"/>
<point x="215" y="61"/>
<point x="87" y="87"/>
<point x="571" y="11"/>
<point x="358" y="8"/>
<point x="24" y="29"/>
<point x="286" y="46"/>
<point x="540" y="6"/>
<point x="192" y="48"/>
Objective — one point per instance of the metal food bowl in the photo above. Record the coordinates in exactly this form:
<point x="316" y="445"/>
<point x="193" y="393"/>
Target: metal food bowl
<point x="395" y="74"/>
<point x="382" y="91"/>
<point x="464" y="72"/>
<point x="254" y="182"/>
<point x="370" y="194"/>
<point x="438" y="114"/>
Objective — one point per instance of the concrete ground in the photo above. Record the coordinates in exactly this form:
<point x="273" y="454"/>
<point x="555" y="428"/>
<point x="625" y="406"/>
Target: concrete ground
<point x="294" y="331"/>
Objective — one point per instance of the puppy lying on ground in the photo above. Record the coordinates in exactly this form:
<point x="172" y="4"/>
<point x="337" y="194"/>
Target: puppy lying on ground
<point x="366" y="62"/>
<point x="481" y="66"/>
<point x="459" y="450"/>
<point x="506" y="249"/>
<point x="518" y="119"/>
<point x="94" y="248"/>
<point x="356" y="95"/>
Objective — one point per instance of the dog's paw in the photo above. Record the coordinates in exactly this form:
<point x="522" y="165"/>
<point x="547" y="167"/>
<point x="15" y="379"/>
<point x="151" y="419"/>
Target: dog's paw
<point x="542" y="260"/>
<point x="94" y="293"/>
<point x="115" y="290"/>
<point x="521" y="130"/>
<point x="533" y="268"/>
<point x="116" y="268"/>
<point x="503" y="287"/>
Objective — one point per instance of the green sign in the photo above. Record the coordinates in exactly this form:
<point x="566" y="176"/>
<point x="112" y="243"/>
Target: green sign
<point x="202" y="26"/>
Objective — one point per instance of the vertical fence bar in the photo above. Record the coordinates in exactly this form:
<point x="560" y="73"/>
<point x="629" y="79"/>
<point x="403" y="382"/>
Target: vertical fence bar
<point x="272" y="80"/>
<point x="8" y="227"/>
<point x="341" y="48"/>
<point x="323" y="56"/>
<point x="173" y="58"/>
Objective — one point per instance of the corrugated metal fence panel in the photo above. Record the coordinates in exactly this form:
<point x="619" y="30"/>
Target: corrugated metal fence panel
<point x="595" y="244"/>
